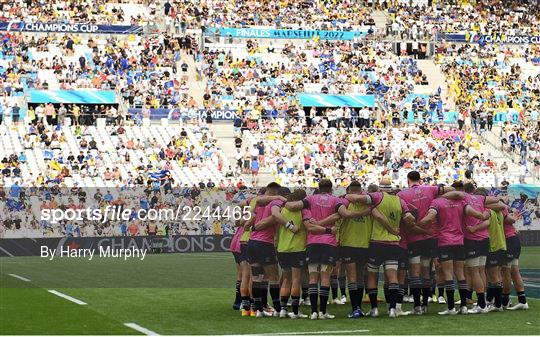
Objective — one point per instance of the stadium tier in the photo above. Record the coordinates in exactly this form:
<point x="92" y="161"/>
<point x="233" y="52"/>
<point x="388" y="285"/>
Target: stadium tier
<point x="358" y="158"/>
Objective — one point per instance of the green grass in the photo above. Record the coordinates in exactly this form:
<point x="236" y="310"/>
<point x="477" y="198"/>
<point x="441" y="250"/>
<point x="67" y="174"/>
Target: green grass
<point x="192" y="294"/>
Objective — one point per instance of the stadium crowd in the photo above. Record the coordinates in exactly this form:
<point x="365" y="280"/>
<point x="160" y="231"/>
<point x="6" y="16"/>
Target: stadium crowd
<point x="261" y="81"/>
<point x="325" y="15"/>
<point x="421" y="21"/>
<point x="80" y="11"/>
<point x="145" y="71"/>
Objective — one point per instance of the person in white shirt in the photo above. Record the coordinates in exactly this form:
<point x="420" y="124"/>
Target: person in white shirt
<point x="364" y="117"/>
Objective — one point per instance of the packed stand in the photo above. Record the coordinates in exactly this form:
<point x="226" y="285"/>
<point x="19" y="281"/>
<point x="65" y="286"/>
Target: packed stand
<point x="486" y="17"/>
<point x="306" y="14"/>
<point x="145" y="71"/>
<point x="79" y="11"/>
<point x="493" y="82"/>
<point x="299" y="155"/>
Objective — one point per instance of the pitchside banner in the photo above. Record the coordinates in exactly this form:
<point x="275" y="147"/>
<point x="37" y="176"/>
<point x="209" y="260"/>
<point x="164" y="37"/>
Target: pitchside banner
<point x="60" y="27"/>
<point x="490" y="39"/>
<point x="267" y="33"/>
<point x="163" y="244"/>
<point x="175" y="114"/>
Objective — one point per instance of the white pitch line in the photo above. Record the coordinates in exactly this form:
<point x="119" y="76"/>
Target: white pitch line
<point x="531" y="285"/>
<point x="139" y="328"/>
<point x="67" y="297"/>
<point x="314" y="332"/>
<point x="19" y="277"/>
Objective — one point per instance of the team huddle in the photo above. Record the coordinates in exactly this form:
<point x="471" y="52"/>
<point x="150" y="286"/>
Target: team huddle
<point x="460" y="232"/>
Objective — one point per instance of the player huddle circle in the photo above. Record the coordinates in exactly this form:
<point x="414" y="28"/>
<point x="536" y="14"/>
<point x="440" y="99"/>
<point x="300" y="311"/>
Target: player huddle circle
<point x="461" y="232"/>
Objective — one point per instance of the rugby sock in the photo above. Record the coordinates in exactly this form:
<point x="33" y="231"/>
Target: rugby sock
<point x="256" y="290"/>
<point x="441" y="291"/>
<point x="284" y="300"/>
<point x="342" y="285"/>
<point x="469" y="293"/>
<point x="463" y="292"/>
<point x="490" y="291"/>
<point x="497" y="293"/>
<point x="481" y="300"/>
<point x="373" y="297"/>
<point x="245" y="302"/>
<point x="305" y="293"/>
<point x="353" y="295"/>
<point x="252" y="303"/>
<point x="313" y="296"/>
<point x="264" y="293"/>
<point x="426" y="291"/>
<point x="360" y="295"/>
<point x="324" y="292"/>
<point x="386" y="295"/>
<point x="393" y="290"/>
<point x="401" y="293"/>
<point x="295" y="303"/>
<point x="450" y="289"/>
<point x="274" y="293"/>
<point x="237" y="298"/>
<point x="505" y="299"/>
<point x="521" y="297"/>
<point x="334" y="285"/>
<point x="416" y="284"/>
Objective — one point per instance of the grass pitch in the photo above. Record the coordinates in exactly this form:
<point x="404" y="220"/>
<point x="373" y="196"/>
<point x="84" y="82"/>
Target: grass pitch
<point x="193" y="294"/>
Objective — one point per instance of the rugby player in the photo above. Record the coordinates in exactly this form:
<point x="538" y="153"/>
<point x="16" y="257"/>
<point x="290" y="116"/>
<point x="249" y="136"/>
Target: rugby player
<point x="422" y="248"/>
<point x="384" y="243"/>
<point x="476" y="244"/>
<point x="321" y="243"/>
<point x="291" y="247"/>
<point x="236" y="251"/>
<point x="495" y="259"/>
<point x="354" y="235"/>
<point x="510" y="270"/>
<point x="245" y="283"/>
<point x="448" y="216"/>
<point x="262" y="254"/>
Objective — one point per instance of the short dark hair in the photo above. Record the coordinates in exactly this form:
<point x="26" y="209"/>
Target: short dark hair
<point x="481" y="191"/>
<point x="273" y="188"/>
<point x="273" y="185"/>
<point x="284" y="191"/>
<point x="458" y="185"/>
<point x="325" y="186"/>
<point x="297" y="195"/>
<point x="354" y="186"/>
<point x="469" y="187"/>
<point x="413" y="176"/>
<point x="373" y="188"/>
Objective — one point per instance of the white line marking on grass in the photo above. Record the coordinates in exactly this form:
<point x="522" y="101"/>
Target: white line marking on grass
<point x="67" y="297"/>
<point x="139" y="328"/>
<point x="531" y="285"/>
<point x="313" y="332"/>
<point x="19" y="277"/>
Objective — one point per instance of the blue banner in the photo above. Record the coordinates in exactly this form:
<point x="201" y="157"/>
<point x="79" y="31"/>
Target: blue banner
<point x="267" y="33"/>
<point x="448" y="117"/>
<point x="501" y="117"/>
<point x="72" y="96"/>
<point x="324" y="100"/>
<point x="60" y="27"/>
<point x="491" y="39"/>
<point x="175" y="114"/>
